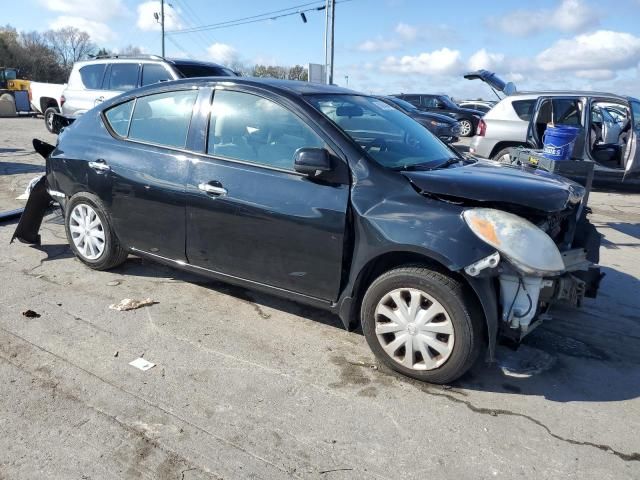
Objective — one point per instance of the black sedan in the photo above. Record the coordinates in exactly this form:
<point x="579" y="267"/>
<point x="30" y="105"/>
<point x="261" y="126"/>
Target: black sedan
<point x="467" y="117"/>
<point x="324" y="196"/>
<point x="445" y="128"/>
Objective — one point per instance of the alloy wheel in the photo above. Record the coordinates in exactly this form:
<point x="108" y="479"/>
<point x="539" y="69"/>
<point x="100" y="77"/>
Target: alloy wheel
<point x="465" y="127"/>
<point x="87" y="231"/>
<point x="414" y="329"/>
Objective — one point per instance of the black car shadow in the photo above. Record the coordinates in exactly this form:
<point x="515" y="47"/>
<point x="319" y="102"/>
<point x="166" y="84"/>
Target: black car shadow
<point x="144" y="268"/>
<point x="15" y="168"/>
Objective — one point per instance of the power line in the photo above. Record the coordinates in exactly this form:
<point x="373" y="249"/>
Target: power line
<point x="273" y="15"/>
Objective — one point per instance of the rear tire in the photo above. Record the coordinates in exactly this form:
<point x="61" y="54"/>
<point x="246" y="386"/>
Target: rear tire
<point x="90" y="233"/>
<point x="503" y="156"/>
<point x="48" y="119"/>
<point x="442" y="324"/>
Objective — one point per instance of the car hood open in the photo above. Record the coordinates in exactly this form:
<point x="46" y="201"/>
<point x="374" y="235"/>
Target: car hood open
<point x="492" y="182"/>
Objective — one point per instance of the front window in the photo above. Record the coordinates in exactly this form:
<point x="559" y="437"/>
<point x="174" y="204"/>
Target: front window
<point x="254" y="129"/>
<point x="385" y="134"/>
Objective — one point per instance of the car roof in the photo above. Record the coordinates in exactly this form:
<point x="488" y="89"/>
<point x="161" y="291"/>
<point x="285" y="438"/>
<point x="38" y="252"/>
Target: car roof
<point x="573" y="93"/>
<point x="146" y="58"/>
<point x="288" y="86"/>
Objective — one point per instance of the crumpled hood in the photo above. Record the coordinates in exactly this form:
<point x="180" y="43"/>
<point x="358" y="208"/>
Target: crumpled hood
<point x="487" y="181"/>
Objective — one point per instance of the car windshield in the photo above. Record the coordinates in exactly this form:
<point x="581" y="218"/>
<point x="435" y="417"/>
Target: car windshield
<point x="387" y="135"/>
<point x="190" y="70"/>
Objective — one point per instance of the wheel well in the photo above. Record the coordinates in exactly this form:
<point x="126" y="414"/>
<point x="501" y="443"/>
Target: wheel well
<point x="499" y="146"/>
<point x="46" y="102"/>
<point x="388" y="261"/>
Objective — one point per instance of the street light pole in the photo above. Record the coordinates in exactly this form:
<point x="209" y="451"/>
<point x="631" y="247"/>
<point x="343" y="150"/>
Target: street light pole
<point x="162" y="24"/>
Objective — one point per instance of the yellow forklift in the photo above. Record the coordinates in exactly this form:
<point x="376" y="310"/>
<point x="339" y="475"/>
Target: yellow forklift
<point x="14" y="93"/>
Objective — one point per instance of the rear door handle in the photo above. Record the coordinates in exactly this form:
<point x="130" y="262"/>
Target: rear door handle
<point x="218" y="191"/>
<point x="100" y="165"/>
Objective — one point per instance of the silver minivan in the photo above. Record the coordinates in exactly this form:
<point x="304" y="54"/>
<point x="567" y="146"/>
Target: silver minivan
<point x="102" y="78"/>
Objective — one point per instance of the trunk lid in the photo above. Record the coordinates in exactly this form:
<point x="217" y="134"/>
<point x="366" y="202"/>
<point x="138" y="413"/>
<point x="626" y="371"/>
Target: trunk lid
<point x="491" y="79"/>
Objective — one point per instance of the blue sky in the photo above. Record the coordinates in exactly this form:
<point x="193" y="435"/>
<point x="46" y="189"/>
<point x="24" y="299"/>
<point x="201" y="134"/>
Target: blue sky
<point x="385" y="46"/>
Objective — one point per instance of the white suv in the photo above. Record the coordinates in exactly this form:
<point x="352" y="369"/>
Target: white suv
<point x="96" y="80"/>
<point x="504" y="126"/>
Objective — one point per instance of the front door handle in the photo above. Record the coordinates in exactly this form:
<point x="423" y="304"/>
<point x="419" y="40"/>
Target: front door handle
<point x="99" y="165"/>
<point x="218" y="191"/>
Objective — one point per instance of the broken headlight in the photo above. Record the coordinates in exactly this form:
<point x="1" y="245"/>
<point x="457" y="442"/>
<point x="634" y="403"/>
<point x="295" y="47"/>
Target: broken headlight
<point x="527" y="247"/>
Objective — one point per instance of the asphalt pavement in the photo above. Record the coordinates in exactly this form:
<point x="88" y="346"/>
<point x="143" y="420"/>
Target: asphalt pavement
<point x="246" y="385"/>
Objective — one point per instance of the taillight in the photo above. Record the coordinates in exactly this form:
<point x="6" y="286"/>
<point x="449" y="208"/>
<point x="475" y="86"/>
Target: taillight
<point x="482" y="128"/>
<point x="62" y="100"/>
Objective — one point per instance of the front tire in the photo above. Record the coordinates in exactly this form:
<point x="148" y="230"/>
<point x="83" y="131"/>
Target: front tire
<point x="90" y="233"/>
<point x="418" y="322"/>
<point x="466" y="128"/>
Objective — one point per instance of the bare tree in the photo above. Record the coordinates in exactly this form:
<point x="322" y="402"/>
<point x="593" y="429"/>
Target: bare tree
<point x="298" y="72"/>
<point x="69" y="45"/>
<point x="130" y="50"/>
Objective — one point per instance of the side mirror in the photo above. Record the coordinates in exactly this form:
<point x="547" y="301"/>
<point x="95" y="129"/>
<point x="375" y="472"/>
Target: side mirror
<point x="311" y="161"/>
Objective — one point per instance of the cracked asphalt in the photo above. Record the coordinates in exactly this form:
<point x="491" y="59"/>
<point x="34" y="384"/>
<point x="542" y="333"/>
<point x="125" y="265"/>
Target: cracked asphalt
<point x="252" y="386"/>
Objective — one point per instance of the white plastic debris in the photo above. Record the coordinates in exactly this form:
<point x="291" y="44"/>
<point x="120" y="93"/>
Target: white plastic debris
<point x="142" y="364"/>
<point x="131" y="304"/>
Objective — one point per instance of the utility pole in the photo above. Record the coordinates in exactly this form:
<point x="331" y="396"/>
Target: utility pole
<point x="333" y="25"/>
<point x="330" y="9"/>
<point x="162" y="24"/>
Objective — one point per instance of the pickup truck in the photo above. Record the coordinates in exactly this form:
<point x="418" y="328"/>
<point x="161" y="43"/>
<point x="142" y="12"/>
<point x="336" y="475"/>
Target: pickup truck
<point x="45" y="99"/>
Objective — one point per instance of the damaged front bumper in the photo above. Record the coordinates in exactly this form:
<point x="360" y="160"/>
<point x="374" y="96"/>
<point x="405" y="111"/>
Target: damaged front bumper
<point x="524" y="301"/>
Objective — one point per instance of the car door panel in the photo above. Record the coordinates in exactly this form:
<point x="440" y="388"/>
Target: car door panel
<point x="271" y="225"/>
<point x="632" y="152"/>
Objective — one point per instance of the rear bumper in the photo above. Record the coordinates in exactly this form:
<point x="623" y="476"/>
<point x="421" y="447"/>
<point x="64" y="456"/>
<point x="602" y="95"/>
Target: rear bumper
<point x="38" y="204"/>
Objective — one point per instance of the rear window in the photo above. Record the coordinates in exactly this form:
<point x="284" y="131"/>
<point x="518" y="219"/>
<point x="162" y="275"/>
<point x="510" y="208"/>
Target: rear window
<point x="194" y="70"/>
<point x="524" y="108"/>
<point x="91" y="76"/>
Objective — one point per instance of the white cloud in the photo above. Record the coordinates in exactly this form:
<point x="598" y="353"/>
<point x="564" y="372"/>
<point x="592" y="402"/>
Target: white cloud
<point x="600" y="75"/>
<point x="378" y="45"/>
<point x="486" y="60"/>
<point x="569" y="16"/>
<point x="406" y="32"/>
<point x="99" y="32"/>
<point x="222" y="53"/>
<point x="86" y="9"/>
<point x="601" y="50"/>
<point x="439" y="62"/>
<point x="146" y="20"/>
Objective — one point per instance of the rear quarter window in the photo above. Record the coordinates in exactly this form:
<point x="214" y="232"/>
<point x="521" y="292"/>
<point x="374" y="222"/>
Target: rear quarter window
<point x="118" y="117"/>
<point x="91" y="76"/>
<point x="524" y="108"/>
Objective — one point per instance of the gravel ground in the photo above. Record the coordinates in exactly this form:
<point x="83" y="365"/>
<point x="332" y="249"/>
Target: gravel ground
<point x="252" y="386"/>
